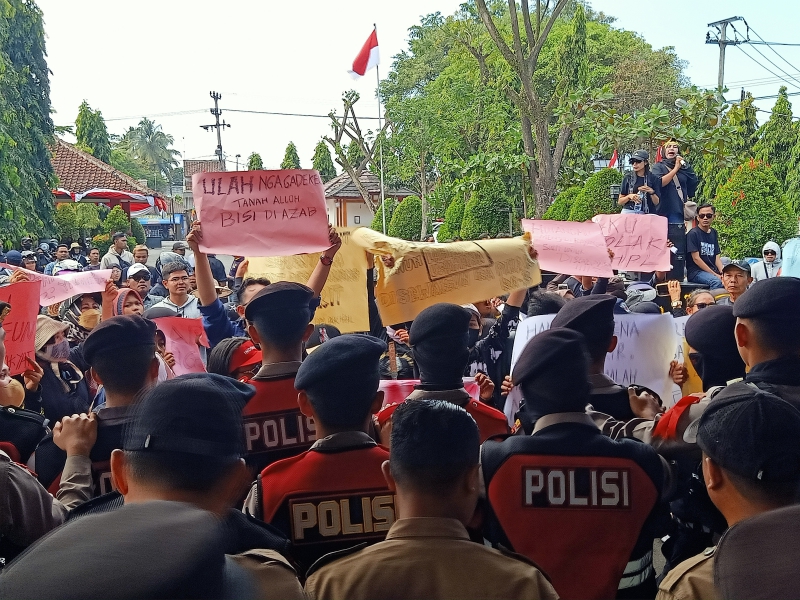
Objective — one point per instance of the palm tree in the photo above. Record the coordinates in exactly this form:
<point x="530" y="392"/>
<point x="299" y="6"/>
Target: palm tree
<point x="152" y="147"/>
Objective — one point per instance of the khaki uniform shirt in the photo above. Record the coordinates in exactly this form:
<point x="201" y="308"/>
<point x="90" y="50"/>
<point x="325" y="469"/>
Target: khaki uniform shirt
<point x="693" y="579"/>
<point x="273" y="574"/>
<point x="427" y="558"/>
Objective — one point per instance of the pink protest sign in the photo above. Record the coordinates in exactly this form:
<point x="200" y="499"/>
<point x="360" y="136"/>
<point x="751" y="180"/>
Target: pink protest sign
<point x="20" y="323"/>
<point x="58" y="289"/>
<point x="261" y="213"/>
<point x="571" y="248"/>
<point x="183" y="337"/>
<point x="639" y="242"/>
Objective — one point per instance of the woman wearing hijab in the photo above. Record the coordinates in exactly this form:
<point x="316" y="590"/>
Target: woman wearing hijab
<point x="121" y="302"/>
<point x="81" y="313"/>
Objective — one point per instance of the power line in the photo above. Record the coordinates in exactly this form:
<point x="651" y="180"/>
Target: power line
<point x="765" y="57"/>
<point x="771" y="48"/>
<point x="762" y="66"/>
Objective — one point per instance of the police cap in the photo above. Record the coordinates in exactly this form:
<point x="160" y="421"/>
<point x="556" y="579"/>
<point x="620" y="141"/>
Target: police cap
<point x="279" y="296"/>
<point x="774" y="298"/>
<point x="751" y="433"/>
<point x="711" y="330"/>
<point x="123" y="331"/>
<point x="197" y="413"/>
<point x="585" y="313"/>
<point x="440" y="321"/>
<point x="354" y="356"/>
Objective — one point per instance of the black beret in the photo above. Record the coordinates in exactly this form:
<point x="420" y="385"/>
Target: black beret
<point x="279" y="296"/>
<point x="122" y="331"/>
<point x="586" y="312"/>
<point x="646" y="308"/>
<point x="443" y="321"/>
<point x="354" y="356"/>
<point x="558" y="354"/>
<point x="135" y="544"/>
<point x="711" y="330"/>
<point x="197" y="413"/>
<point x="750" y="432"/>
<point x="774" y="298"/>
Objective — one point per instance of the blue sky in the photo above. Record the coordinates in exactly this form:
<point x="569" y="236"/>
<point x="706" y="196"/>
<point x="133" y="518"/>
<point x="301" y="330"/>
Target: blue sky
<point x="159" y="58"/>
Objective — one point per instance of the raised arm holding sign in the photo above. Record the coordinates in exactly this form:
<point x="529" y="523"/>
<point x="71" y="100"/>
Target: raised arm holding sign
<point x="20" y="324"/>
<point x="639" y="242"/>
<point x="261" y="213"/>
<point x="58" y="289"/>
<point x="569" y="247"/>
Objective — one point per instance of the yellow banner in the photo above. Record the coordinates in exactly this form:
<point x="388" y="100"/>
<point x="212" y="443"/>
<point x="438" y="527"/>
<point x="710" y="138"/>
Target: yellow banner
<point x="344" y="297"/>
<point x="460" y="272"/>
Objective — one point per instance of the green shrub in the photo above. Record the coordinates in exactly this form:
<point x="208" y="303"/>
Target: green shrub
<point x="116" y="220"/>
<point x="486" y="211"/>
<point x="559" y="209"/>
<point x="102" y="242"/>
<point x="66" y="219"/>
<point x="595" y="198"/>
<point x="137" y="235"/>
<point x="752" y="209"/>
<point x="377" y="220"/>
<point x="406" y="220"/>
<point x="453" y="217"/>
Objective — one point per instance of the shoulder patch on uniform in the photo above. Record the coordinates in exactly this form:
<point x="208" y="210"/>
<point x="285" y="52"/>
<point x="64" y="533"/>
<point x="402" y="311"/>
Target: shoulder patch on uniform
<point x="675" y="575"/>
<point x="333" y="556"/>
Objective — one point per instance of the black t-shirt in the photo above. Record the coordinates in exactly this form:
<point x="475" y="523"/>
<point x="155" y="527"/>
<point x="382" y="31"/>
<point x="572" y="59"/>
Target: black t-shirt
<point x="706" y="244"/>
<point x="630" y="185"/>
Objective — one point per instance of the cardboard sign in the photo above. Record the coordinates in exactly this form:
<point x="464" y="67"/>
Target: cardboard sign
<point x="791" y="258"/>
<point x="183" y="337"/>
<point x="58" y="289"/>
<point x="571" y="248"/>
<point x="425" y="274"/>
<point x="261" y="213"/>
<point x="639" y="242"/>
<point x="20" y="323"/>
<point x="645" y="346"/>
<point x="395" y="391"/>
<point x="343" y="302"/>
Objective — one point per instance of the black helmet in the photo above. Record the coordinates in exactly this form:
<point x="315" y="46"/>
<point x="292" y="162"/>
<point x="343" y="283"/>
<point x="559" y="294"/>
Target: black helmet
<point x="640" y="155"/>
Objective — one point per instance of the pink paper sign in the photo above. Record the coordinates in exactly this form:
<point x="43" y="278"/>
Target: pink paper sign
<point x="58" y="289"/>
<point x="261" y="213"/>
<point x="20" y="323"/>
<point x="183" y="336"/>
<point x="570" y="248"/>
<point x="639" y="242"/>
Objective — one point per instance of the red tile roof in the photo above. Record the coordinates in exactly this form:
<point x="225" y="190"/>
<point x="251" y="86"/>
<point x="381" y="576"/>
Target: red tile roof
<point x="79" y="171"/>
<point x="190" y="167"/>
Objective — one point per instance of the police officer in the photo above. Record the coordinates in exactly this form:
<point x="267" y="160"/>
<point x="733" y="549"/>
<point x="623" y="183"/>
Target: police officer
<point x="279" y="318"/>
<point x="580" y="505"/>
<point x="751" y="464"/>
<point x="333" y="495"/>
<point x="427" y="553"/>
<point x="439" y="337"/>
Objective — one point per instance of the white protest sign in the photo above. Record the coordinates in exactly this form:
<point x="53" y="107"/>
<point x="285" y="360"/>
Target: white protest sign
<point x="680" y="326"/>
<point x="645" y="346"/>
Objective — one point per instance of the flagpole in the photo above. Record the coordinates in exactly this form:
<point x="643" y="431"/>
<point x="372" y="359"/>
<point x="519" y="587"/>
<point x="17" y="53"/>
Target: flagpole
<point x="380" y="142"/>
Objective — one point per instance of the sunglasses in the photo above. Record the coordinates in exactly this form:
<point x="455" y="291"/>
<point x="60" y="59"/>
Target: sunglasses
<point x="770" y="253"/>
<point x="141" y="277"/>
<point x="704" y="304"/>
<point x="706" y="216"/>
<point x="635" y="161"/>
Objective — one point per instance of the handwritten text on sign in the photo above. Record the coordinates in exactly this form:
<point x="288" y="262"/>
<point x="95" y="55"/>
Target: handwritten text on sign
<point x="639" y="242"/>
<point x="58" y="289"/>
<point x="20" y="324"/>
<point x="183" y="335"/>
<point x="571" y="248"/>
<point x="261" y="213"/>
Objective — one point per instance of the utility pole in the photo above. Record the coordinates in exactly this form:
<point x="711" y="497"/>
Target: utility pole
<point x="723" y="42"/>
<point x="218" y="126"/>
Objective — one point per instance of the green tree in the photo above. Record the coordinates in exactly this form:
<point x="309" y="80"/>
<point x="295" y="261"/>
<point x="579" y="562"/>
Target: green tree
<point x="137" y="234"/>
<point x="559" y="209"/>
<point x="88" y="216"/>
<point x="66" y="220"/>
<point x="116" y="220"/>
<point x="453" y="217"/>
<point x="92" y="134"/>
<point x="26" y="129"/>
<point x="487" y="210"/>
<point x="149" y="149"/>
<point x="751" y="209"/>
<point x="595" y="197"/>
<point x="777" y="138"/>
<point x="407" y="219"/>
<point x="291" y="160"/>
<point x="254" y="162"/>
<point x="323" y="162"/>
<point x="377" y="220"/>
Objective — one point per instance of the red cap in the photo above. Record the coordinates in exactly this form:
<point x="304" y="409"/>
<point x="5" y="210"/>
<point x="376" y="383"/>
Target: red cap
<point x="246" y="355"/>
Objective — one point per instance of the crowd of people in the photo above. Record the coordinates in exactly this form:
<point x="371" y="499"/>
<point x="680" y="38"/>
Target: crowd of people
<point x="282" y="472"/>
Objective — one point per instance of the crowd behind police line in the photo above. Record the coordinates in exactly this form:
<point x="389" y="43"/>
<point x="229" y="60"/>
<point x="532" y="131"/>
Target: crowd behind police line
<point x="283" y="466"/>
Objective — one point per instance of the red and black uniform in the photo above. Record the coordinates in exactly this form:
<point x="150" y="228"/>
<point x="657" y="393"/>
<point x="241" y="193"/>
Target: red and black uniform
<point x="274" y="427"/>
<point x="491" y="422"/>
<point x="580" y="505"/>
<point x="329" y="498"/>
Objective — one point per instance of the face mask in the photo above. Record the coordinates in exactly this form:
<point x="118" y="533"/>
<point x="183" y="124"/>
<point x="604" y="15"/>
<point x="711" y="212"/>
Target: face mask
<point x="89" y="318"/>
<point x="474" y="334"/>
<point x="57" y="352"/>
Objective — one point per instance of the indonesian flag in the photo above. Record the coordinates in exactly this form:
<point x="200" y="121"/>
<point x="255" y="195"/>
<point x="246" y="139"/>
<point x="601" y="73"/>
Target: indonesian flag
<point x="612" y="164"/>
<point x="367" y="58"/>
<point x="659" y="155"/>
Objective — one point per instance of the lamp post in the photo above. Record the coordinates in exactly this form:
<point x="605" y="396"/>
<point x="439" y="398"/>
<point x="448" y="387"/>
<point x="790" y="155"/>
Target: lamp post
<point x="237" y="161"/>
<point x="613" y="190"/>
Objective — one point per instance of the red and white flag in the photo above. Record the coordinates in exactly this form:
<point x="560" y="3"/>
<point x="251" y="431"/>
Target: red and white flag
<point x="367" y="58"/>
<point x="612" y="164"/>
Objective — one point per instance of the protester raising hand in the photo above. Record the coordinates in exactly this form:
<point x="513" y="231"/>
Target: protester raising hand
<point x="486" y="385"/>
<point x="109" y="295"/>
<point x="33" y="375"/>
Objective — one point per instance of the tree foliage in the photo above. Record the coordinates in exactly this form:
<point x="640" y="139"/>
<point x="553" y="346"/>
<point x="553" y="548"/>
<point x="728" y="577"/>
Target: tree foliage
<point x="291" y="160"/>
<point x="595" y="196"/>
<point x="453" y="217"/>
<point x="323" y="162"/>
<point x="74" y="220"/>
<point x="254" y="162"/>
<point x="752" y="209"/>
<point x="92" y="134"/>
<point x="777" y="138"/>
<point x="146" y="152"/>
<point x="26" y="129"/>
<point x="559" y="209"/>
<point x="377" y="220"/>
<point x="116" y="220"/>
<point x="487" y="211"/>
<point x="406" y="220"/>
